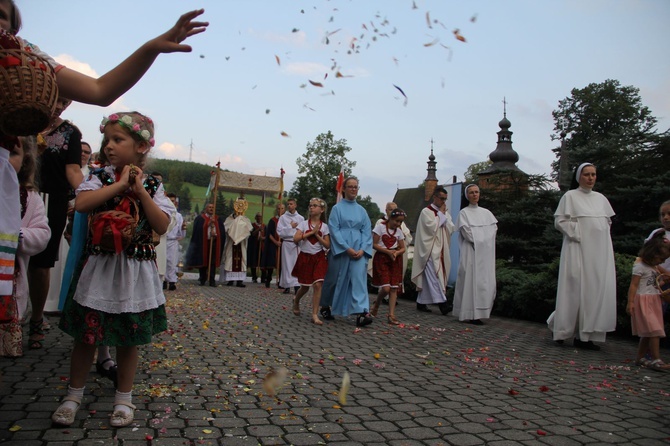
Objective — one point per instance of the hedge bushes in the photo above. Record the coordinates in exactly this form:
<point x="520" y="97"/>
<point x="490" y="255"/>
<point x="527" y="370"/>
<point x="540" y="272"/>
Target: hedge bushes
<point x="531" y="295"/>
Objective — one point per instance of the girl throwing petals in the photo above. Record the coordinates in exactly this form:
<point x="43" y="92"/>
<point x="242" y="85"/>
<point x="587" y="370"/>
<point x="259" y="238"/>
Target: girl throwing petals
<point x="313" y="239"/>
<point x="117" y="300"/>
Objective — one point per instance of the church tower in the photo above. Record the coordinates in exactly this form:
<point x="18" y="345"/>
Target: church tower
<point x="503" y="174"/>
<point x="430" y="183"/>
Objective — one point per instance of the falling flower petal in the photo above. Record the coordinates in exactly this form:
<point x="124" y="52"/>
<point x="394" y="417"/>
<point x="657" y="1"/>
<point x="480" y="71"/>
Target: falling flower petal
<point x="274" y="380"/>
<point x="428" y="20"/>
<point x="401" y="92"/>
<point x="473" y="19"/>
<point x="316" y="84"/>
<point x="277" y="59"/>
<point x="284" y="134"/>
<point x="432" y="43"/>
<point x="344" y="389"/>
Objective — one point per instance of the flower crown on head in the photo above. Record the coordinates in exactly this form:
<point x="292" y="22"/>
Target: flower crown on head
<point x="135" y="123"/>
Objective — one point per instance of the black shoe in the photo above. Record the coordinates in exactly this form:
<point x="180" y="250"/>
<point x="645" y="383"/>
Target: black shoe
<point x="475" y="322"/>
<point x="287" y="291"/>
<point x="424" y="308"/>
<point x="202" y="283"/>
<point x="444" y="308"/>
<point x="172" y="287"/>
<point x="267" y="284"/>
<point x="164" y="285"/>
<point x="230" y="283"/>
<point x="588" y="345"/>
<point x="240" y="284"/>
<point x="326" y="314"/>
<point x="107" y="373"/>
<point x="295" y="289"/>
<point x="363" y="319"/>
<point x="254" y="280"/>
<point x="560" y="342"/>
<point x="212" y="283"/>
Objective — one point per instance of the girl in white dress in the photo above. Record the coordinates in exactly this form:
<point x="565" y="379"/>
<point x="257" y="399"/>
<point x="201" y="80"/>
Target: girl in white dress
<point x="117" y="300"/>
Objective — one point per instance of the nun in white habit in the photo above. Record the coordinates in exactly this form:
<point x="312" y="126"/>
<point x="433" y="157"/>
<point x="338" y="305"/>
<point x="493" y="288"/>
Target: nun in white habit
<point x="586" y="295"/>
<point x="476" y="279"/>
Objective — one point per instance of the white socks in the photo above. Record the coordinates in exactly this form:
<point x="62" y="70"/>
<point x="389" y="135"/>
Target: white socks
<point x="122" y="400"/>
<point x="75" y="393"/>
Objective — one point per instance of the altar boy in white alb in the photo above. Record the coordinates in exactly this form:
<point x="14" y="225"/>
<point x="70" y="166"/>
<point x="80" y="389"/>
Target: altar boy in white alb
<point x="286" y="227"/>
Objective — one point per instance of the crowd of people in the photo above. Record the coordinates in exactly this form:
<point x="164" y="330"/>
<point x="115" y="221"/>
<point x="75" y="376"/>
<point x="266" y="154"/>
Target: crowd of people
<point x="126" y="229"/>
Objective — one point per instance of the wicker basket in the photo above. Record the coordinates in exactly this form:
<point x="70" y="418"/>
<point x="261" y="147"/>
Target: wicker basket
<point x="663" y="284"/>
<point x="28" y="93"/>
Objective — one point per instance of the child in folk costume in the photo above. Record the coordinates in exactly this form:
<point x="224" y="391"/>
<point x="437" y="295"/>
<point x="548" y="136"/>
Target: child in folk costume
<point x="34" y="236"/>
<point x="313" y="239"/>
<point x="644" y="300"/>
<point x="388" y="241"/>
<point x="118" y="298"/>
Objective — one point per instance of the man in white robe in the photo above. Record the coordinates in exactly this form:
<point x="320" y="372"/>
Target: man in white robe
<point x="286" y="227"/>
<point x="586" y="294"/>
<point x="177" y="233"/>
<point x="238" y="229"/>
<point x="476" y="280"/>
<point x="431" y="263"/>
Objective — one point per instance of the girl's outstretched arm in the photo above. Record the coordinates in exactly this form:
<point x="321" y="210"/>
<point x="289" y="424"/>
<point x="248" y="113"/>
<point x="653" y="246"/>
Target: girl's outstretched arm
<point x="110" y="86"/>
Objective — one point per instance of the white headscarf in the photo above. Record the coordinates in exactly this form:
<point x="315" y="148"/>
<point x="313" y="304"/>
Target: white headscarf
<point x="579" y="169"/>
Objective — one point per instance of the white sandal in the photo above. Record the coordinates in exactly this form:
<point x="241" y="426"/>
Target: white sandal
<point x="658" y="365"/>
<point x="64" y="415"/>
<point x="121" y="418"/>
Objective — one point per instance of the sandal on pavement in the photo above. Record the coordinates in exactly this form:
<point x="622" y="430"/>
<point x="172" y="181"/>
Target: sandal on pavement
<point x="64" y="415"/>
<point x="393" y="320"/>
<point x="110" y="372"/>
<point x="121" y="418"/>
<point x="658" y="365"/>
<point x="35" y="334"/>
<point x="644" y="362"/>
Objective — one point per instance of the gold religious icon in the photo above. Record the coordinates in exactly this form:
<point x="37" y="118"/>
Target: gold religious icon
<point x="241" y="205"/>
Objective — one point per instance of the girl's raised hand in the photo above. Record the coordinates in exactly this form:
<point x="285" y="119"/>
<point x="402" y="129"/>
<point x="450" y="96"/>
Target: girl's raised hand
<point x="171" y="41"/>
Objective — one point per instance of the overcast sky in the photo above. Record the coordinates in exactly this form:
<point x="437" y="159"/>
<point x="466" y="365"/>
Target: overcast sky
<point x="248" y="77"/>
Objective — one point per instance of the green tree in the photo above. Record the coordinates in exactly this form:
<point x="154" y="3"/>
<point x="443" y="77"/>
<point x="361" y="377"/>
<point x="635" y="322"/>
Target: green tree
<point x="472" y="174"/>
<point x="371" y="208"/>
<point x="175" y="181"/>
<point x="185" y="198"/>
<point x="607" y="124"/>
<point x="318" y="169"/>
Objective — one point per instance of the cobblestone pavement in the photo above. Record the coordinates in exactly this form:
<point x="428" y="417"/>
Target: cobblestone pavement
<point x="431" y="381"/>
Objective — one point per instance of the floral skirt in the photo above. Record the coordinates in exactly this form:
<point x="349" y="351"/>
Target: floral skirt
<point x="94" y="327"/>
